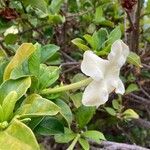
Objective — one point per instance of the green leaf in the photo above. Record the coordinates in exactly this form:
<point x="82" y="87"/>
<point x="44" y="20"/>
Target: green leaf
<point x="34" y="63"/>
<point x="99" y="15"/>
<point x="76" y="98"/>
<point x="80" y="44"/>
<point x="134" y="59"/>
<point x="48" y="75"/>
<point x="116" y="104"/>
<point x="37" y="4"/>
<point x="3" y="65"/>
<point x="84" y="114"/>
<point x="94" y="135"/>
<point x="23" y="52"/>
<point x="35" y="105"/>
<point x="1" y="114"/>
<point x="20" y="86"/>
<point x="8" y="105"/>
<point x="90" y="40"/>
<point x="114" y="35"/>
<point x="131" y="88"/>
<point x="84" y="143"/>
<point x="66" y="137"/>
<point x="130" y="114"/>
<point x="10" y="38"/>
<point x="111" y="111"/>
<point x="72" y="145"/>
<point x="65" y="111"/>
<point x="48" y="51"/>
<point x="18" y="137"/>
<point x="55" y="6"/>
<point x="49" y="126"/>
<point x="100" y="37"/>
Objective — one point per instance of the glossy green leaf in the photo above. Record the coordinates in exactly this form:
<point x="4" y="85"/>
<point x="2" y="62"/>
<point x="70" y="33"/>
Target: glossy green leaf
<point x="84" y="114"/>
<point x="18" y="137"/>
<point x="34" y="63"/>
<point x="114" y="35"/>
<point x="65" y="111"/>
<point x="8" y="105"/>
<point x="94" y="135"/>
<point x="49" y="126"/>
<point x="80" y="44"/>
<point x="23" y="52"/>
<point x="20" y="86"/>
<point x="35" y="105"/>
<point x="84" y="143"/>
<point x="48" y="51"/>
<point x="48" y="75"/>
<point x="134" y="59"/>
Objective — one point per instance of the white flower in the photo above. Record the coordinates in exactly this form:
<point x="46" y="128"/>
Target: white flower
<point x="105" y="74"/>
<point x="11" y="30"/>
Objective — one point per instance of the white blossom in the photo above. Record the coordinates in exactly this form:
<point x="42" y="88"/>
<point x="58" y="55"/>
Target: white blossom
<point x="105" y="74"/>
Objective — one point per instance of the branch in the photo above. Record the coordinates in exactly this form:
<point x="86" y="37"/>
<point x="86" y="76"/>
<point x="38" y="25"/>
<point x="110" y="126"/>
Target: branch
<point x="108" y="145"/>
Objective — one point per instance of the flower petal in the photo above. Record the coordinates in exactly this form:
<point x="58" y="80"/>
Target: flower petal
<point x="119" y="53"/>
<point x="93" y="66"/>
<point x="120" y="89"/>
<point x="95" y="94"/>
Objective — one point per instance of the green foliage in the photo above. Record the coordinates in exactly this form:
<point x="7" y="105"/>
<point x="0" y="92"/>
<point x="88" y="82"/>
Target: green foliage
<point x="83" y="115"/>
<point x="49" y="126"/>
<point x="19" y="134"/>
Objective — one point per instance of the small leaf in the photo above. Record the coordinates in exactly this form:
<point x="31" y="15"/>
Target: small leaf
<point x="84" y="143"/>
<point x="94" y="135"/>
<point x="131" y="88"/>
<point x="23" y="52"/>
<point x="48" y="75"/>
<point x="134" y="59"/>
<point x="111" y="111"/>
<point x="80" y="44"/>
<point x="49" y="126"/>
<point x="84" y="114"/>
<point x="66" y="137"/>
<point x="76" y="98"/>
<point x="99" y="15"/>
<point x="48" y="51"/>
<point x="130" y="114"/>
<point x="116" y="104"/>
